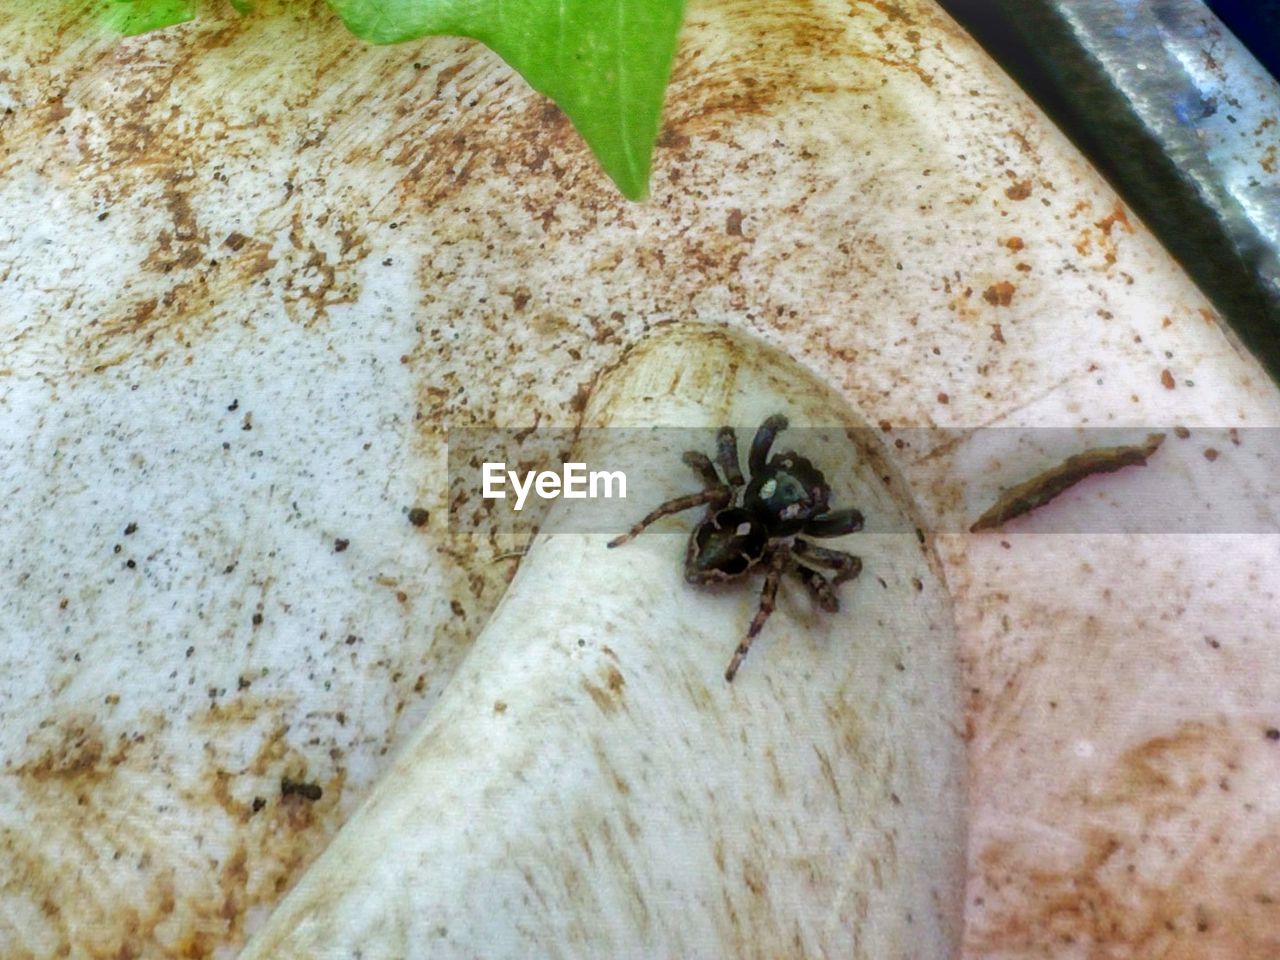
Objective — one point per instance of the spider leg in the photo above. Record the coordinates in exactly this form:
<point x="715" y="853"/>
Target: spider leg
<point x="718" y="497"/>
<point x="819" y="586"/>
<point x="778" y="562"/>
<point x="704" y="468"/>
<point x="835" y="524"/>
<point x="846" y="565"/>
<point x="763" y="441"/>
<point x="727" y="456"/>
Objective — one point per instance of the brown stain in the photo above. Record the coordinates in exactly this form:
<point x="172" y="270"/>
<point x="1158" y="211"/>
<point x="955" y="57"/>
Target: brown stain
<point x="76" y="754"/>
<point x="1100" y="242"/>
<point x="999" y="294"/>
<point x="899" y="30"/>
<point x="1116" y="216"/>
<point x="1136" y="883"/>
<point x="1019" y="191"/>
<point x="709" y="85"/>
<point x="608" y="696"/>
<point x="720" y="87"/>
<point x="716" y="86"/>
<point x="81" y="782"/>
<point x="129" y="118"/>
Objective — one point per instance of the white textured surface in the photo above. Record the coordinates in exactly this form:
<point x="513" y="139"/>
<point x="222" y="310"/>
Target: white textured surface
<point x="588" y="784"/>
<point x="285" y="206"/>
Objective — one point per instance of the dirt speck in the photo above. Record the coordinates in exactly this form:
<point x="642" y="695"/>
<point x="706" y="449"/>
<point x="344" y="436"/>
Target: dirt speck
<point x="300" y="788"/>
<point x="999" y="294"/>
<point x="1019" y="191"/>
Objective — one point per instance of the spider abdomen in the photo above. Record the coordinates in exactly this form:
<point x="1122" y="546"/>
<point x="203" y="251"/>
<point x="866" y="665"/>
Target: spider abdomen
<point x="725" y="546"/>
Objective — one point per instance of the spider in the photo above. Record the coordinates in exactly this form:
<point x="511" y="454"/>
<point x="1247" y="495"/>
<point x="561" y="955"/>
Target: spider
<point x="755" y="523"/>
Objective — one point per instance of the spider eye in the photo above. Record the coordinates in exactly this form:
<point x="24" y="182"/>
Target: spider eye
<point x="744" y="528"/>
<point x="768" y="488"/>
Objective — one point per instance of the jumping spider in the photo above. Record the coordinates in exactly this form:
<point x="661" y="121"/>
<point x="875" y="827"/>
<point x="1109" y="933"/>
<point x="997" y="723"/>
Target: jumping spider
<point x="756" y="522"/>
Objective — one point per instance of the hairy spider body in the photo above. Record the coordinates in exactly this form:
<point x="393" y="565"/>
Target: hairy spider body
<point x="724" y="546"/>
<point x="757" y="522"/>
<point x="787" y="493"/>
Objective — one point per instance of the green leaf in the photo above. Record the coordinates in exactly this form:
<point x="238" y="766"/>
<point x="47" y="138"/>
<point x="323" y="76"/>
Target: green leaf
<point x="605" y="62"/>
<point x="138" y="16"/>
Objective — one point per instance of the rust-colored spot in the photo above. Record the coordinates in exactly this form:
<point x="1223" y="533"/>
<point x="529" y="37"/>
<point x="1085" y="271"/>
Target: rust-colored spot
<point x="1019" y="191"/>
<point x="1117" y="215"/>
<point x="1014" y="243"/>
<point x="733" y="223"/>
<point x="999" y="294"/>
<point x="1166" y="379"/>
<point x="1268" y="160"/>
<point x="1210" y="454"/>
<point x="997" y="334"/>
